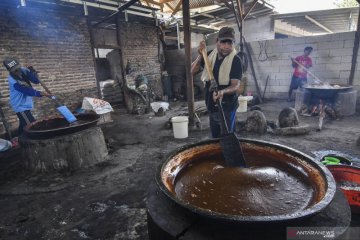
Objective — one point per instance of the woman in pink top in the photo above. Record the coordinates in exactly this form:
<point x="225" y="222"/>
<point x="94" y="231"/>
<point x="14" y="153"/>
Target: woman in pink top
<point x="299" y="78"/>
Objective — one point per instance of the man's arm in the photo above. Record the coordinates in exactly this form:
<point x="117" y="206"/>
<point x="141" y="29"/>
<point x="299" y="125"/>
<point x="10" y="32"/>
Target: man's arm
<point x="32" y="76"/>
<point x="294" y="64"/>
<point x="234" y="86"/>
<point x="195" y="66"/>
<point x="27" y="90"/>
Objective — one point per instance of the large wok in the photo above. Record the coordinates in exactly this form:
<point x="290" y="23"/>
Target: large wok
<point x="320" y="178"/>
<point x="327" y="91"/>
<point x="58" y="126"/>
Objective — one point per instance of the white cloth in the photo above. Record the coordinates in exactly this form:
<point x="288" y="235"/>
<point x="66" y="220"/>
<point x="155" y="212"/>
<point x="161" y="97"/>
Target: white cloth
<point x="157" y="105"/>
<point x="4" y="145"/>
<point x="225" y="67"/>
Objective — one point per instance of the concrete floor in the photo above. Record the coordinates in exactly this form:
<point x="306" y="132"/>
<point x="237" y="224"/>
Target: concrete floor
<point x="107" y="201"/>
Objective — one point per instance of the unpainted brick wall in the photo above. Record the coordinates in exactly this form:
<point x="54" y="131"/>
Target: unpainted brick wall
<point x="58" y="46"/>
<point x="140" y="46"/>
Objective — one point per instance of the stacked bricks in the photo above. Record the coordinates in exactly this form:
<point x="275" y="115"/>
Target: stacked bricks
<point x="140" y="46"/>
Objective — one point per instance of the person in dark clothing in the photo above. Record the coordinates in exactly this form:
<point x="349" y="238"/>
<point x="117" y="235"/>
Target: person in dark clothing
<point x="227" y="71"/>
<point x="21" y="91"/>
<point x="299" y="77"/>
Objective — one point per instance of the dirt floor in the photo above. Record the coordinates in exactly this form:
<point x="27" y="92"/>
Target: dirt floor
<point x="107" y="201"/>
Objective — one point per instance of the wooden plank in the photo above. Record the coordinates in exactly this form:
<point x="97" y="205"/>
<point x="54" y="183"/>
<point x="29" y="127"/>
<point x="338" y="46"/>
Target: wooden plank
<point x="177" y="8"/>
<point x="189" y="76"/>
<point x="169" y="6"/>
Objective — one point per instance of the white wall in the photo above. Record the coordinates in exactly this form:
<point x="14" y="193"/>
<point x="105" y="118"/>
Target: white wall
<point x="331" y="61"/>
<point x="288" y="29"/>
<point x="257" y="29"/>
<point x="253" y="30"/>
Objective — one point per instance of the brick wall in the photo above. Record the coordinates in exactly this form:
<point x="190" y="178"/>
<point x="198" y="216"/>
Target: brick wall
<point x="140" y="46"/>
<point x="331" y="61"/>
<point x="57" y="45"/>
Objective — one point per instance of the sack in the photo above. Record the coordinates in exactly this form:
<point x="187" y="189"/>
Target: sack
<point x="98" y="105"/>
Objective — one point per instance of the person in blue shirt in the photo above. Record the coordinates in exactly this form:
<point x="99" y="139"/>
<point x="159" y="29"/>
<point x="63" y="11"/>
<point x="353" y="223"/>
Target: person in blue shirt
<point x="22" y="92"/>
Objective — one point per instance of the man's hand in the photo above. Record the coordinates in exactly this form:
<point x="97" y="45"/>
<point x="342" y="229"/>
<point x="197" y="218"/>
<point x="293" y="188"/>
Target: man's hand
<point x="202" y="47"/>
<point x="195" y="66"/>
<point x="213" y="85"/>
<point x="218" y="95"/>
<point x="31" y="68"/>
<point x="45" y="94"/>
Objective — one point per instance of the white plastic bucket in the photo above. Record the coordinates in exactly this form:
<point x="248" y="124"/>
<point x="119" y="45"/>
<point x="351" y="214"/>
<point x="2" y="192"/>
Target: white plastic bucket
<point x="180" y="126"/>
<point x="242" y="104"/>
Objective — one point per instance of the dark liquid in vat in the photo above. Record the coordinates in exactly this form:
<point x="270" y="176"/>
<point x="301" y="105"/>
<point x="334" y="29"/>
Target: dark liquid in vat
<point x="264" y="189"/>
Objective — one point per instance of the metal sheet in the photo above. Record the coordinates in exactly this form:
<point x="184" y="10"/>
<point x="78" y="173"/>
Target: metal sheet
<point x="319" y="176"/>
<point x="323" y="92"/>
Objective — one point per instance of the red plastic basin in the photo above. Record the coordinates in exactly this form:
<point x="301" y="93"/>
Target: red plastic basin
<point x="348" y="179"/>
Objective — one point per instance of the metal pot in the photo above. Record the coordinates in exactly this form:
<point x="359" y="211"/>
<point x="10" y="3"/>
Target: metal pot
<point x="319" y="177"/>
<point x="58" y="126"/>
<point x="327" y="92"/>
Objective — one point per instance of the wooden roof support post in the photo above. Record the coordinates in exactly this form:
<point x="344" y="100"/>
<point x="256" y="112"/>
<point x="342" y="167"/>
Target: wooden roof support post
<point x="122" y="82"/>
<point x="189" y="77"/>
<point x="355" y="51"/>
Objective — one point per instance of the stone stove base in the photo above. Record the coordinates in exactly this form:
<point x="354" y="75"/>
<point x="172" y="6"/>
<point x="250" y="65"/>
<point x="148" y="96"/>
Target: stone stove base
<point x="344" y="102"/>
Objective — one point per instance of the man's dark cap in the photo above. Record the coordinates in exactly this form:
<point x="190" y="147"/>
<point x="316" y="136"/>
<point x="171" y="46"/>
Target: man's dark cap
<point x="226" y="33"/>
<point x="11" y="64"/>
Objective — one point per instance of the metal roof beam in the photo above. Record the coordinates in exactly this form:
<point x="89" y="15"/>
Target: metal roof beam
<point x="325" y="12"/>
<point x="209" y="11"/>
<point x="120" y="9"/>
<point x="225" y="16"/>
<point x="153" y="2"/>
<point x="106" y="7"/>
<point x="117" y="4"/>
<point x="317" y="23"/>
<point x="251" y="8"/>
<point x="166" y="1"/>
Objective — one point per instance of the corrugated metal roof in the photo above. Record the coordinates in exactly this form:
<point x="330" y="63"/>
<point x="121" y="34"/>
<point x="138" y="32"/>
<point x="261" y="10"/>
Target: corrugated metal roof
<point x="193" y="3"/>
<point x="224" y="15"/>
<point x="210" y="19"/>
<point x="324" y="21"/>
